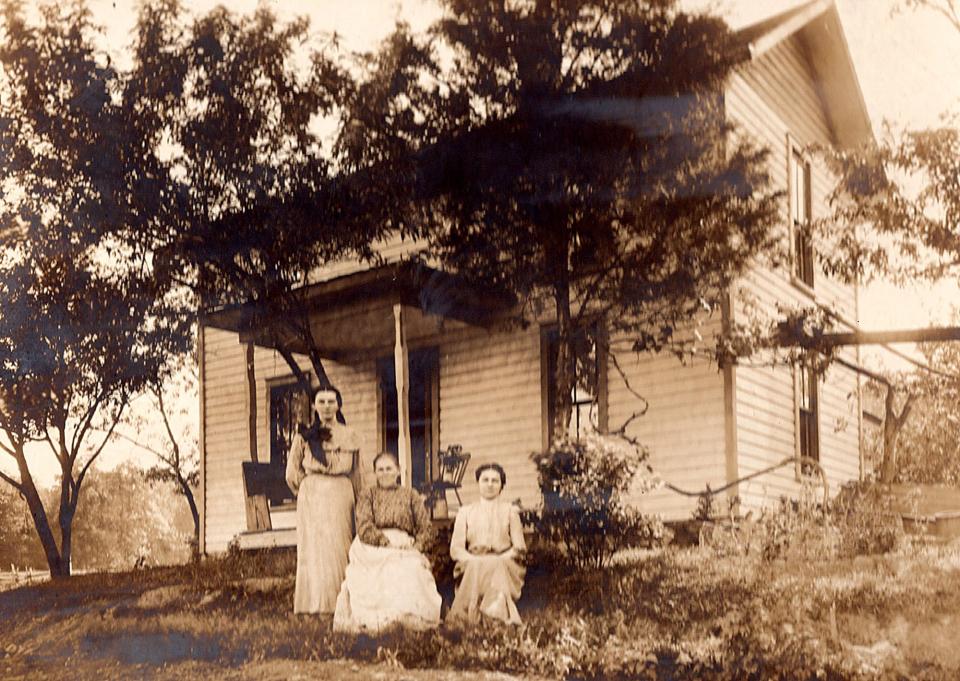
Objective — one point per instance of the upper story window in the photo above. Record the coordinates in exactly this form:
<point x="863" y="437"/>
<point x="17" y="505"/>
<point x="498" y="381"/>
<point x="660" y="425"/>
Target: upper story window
<point x="800" y="212"/>
<point x="588" y="396"/>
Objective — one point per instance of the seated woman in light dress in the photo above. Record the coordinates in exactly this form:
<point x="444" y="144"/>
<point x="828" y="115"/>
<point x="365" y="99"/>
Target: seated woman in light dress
<point x="487" y="546"/>
<point x="388" y="579"/>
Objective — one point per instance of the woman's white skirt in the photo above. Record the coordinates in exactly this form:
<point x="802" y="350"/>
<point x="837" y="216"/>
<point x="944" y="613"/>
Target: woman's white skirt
<point x="324" y="530"/>
<point x="384" y="586"/>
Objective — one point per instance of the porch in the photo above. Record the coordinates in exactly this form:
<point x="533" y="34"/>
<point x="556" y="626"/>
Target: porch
<point x="380" y="332"/>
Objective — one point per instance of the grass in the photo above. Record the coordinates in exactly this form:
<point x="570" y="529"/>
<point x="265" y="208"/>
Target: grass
<point x="669" y="614"/>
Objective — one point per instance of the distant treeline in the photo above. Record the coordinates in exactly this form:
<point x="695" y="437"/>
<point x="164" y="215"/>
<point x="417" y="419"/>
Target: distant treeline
<point x="123" y="520"/>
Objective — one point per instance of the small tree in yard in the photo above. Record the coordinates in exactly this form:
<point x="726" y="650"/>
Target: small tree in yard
<point x="924" y="433"/>
<point x="574" y="153"/>
<point x="165" y="429"/>
<point x="83" y="327"/>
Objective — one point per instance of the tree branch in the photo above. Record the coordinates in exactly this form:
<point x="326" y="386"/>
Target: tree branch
<point x="136" y="443"/>
<point x="99" y="450"/>
<point x="166" y="424"/>
<point x="13" y="483"/>
<point x="53" y="447"/>
<point x="8" y="448"/>
<point x="80" y="432"/>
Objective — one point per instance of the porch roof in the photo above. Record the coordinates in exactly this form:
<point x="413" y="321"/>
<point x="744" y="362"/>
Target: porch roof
<point x="353" y="314"/>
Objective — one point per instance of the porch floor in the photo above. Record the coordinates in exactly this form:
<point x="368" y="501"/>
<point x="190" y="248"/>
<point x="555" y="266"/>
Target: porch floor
<point x="281" y="537"/>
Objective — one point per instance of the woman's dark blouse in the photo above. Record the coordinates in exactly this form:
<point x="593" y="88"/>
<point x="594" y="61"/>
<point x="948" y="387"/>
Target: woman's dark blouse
<point x="399" y="507"/>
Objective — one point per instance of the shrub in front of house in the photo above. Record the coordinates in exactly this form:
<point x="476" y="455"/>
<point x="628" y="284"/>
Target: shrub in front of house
<point x="585" y="513"/>
<point x="858" y="521"/>
<point x="867" y="523"/>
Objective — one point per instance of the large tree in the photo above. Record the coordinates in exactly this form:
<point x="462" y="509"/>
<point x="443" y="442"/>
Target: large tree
<point x="232" y="113"/>
<point x="84" y="325"/>
<point x="576" y="154"/>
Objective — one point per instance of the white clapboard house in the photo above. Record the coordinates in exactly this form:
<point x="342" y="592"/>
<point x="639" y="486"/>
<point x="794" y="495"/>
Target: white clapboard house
<point x="475" y="384"/>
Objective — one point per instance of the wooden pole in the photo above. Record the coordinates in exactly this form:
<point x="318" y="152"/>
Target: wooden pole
<point x="932" y="334"/>
<point x="251" y="402"/>
<point x="402" y="372"/>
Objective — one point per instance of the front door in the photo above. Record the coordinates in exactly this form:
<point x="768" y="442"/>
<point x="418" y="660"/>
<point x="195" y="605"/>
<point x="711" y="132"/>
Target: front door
<point x="424" y="407"/>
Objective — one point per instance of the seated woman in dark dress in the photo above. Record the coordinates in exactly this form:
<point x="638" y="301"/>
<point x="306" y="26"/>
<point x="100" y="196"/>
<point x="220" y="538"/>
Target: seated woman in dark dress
<point x="388" y="579"/>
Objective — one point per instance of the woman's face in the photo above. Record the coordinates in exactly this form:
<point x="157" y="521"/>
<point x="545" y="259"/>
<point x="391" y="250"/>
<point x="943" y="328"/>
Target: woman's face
<point x="386" y="471"/>
<point x="325" y="404"/>
<point x="489" y="484"/>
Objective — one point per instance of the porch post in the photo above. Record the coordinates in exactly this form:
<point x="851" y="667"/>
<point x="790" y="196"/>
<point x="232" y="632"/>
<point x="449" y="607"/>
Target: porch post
<point x="402" y="371"/>
<point x="251" y="402"/>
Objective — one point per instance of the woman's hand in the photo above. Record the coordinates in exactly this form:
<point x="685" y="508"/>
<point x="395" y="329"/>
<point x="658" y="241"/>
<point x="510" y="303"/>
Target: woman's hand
<point x="481" y="550"/>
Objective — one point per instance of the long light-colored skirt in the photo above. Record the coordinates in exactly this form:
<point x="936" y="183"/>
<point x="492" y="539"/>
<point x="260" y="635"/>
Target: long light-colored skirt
<point x="384" y="586"/>
<point x="490" y="586"/>
<point x="324" y="531"/>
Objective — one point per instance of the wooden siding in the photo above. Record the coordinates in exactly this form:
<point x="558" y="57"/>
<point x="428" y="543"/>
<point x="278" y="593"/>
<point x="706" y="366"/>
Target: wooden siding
<point x="392" y="249"/>
<point x="490" y="404"/>
<point x="225" y="438"/>
<point x="683" y="427"/>
<point x="771" y="98"/>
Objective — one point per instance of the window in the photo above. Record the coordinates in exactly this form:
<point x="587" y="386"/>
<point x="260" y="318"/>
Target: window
<point x="808" y="413"/>
<point x="588" y="396"/>
<point x="800" y="210"/>
<point x="288" y="407"/>
<point x="423" y="410"/>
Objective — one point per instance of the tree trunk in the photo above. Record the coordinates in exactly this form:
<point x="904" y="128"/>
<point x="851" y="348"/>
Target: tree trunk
<point x="295" y="369"/>
<point x="66" y="538"/>
<point x="892" y="424"/>
<point x="188" y="493"/>
<point x="317" y="362"/>
<point x="41" y="522"/>
<point x="564" y="377"/>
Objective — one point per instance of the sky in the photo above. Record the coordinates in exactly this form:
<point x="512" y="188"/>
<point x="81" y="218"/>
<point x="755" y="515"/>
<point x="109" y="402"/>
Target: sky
<point x="908" y="65"/>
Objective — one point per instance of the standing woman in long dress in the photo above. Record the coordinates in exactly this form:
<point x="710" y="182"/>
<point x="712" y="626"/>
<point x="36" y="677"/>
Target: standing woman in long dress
<point x="321" y="469"/>
<point x="488" y="547"/>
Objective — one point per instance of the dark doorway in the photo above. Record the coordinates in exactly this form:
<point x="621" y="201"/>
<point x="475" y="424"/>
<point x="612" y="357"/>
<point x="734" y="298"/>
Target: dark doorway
<point x="424" y="407"/>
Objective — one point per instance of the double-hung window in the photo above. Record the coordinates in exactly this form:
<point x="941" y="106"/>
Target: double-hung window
<point x="588" y="396"/>
<point x="800" y="210"/>
<point x="289" y="406"/>
<point x="808" y="412"/>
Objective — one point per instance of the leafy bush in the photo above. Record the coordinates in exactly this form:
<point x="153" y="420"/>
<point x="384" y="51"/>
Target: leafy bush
<point x="858" y="521"/>
<point x="865" y="520"/>
<point x="584" y="484"/>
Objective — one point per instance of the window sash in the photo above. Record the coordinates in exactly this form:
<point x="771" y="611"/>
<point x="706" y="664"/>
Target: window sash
<point x="585" y="414"/>
<point x="800" y="214"/>
<point x="808" y="415"/>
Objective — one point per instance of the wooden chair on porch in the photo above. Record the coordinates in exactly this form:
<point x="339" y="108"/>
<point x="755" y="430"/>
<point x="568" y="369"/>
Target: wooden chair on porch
<point x="262" y="483"/>
<point x="452" y="466"/>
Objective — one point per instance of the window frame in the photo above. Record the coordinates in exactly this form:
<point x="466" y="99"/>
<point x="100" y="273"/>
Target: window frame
<point x="802" y="247"/>
<point x="547" y="334"/>
<point x="288" y="382"/>
<point x="806" y="413"/>
<point x="430" y="356"/>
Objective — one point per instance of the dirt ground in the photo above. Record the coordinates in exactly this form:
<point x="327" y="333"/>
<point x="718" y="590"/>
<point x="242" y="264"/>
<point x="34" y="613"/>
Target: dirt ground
<point x="274" y="670"/>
